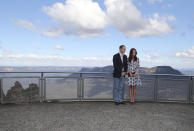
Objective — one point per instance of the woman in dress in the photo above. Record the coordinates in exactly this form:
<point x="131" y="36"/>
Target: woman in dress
<point x="133" y="73"/>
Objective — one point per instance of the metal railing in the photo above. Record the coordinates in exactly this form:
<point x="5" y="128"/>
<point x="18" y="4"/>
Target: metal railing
<point x="90" y="86"/>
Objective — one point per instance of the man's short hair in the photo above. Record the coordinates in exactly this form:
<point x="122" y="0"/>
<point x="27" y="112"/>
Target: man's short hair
<point x="121" y="46"/>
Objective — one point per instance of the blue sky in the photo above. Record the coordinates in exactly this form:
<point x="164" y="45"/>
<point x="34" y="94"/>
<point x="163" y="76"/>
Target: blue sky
<point x="88" y="33"/>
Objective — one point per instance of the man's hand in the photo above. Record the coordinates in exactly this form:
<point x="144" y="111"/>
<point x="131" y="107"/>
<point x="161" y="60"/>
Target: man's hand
<point x="123" y="73"/>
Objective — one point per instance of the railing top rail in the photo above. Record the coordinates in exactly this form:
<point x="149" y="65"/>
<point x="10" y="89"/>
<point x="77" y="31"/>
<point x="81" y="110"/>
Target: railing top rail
<point x="58" y="72"/>
<point x="45" y="72"/>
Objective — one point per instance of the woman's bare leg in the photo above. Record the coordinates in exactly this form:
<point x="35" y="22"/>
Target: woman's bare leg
<point x="134" y="92"/>
<point x="130" y="93"/>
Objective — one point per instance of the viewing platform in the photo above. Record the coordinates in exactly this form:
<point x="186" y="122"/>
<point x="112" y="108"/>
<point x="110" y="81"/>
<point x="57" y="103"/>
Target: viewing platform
<point x="29" y="101"/>
<point x="97" y="116"/>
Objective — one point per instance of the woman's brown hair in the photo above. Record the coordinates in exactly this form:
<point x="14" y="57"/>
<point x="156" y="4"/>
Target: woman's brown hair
<point x="131" y="55"/>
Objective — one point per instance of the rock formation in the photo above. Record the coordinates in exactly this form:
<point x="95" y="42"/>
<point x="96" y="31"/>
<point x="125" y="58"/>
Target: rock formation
<point x="17" y="94"/>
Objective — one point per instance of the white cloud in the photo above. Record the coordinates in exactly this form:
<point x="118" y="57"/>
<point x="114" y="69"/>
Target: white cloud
<point x="7" y="52"/>
<point x="11" y="58"/>
<point x="151" y="59"/>
<point x="26" y="24"/>
<point x="124" y="16"/>
<point x="186" y="54"/>
<point x="78" y="17"/>
<point x="153" y="1"/>
<point x="0" y="43"/>
<point x="171" y="18"/>
<point x="50" y="33"/>
<point x="185" y="59"/>
<point x="85" y="18"/>
<point x="147" y="59"/>
<point x="58" y="47"/>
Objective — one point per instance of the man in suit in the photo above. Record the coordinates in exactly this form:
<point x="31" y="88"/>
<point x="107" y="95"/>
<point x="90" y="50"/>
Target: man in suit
<point x="120" y="70"/>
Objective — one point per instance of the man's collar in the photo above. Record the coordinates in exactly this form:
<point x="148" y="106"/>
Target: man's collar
<point x="121" y="54"/>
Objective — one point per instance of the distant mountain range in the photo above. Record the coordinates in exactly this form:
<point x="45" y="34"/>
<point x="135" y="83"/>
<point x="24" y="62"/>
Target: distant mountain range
<point x="39" y="68"/>
<point x="187" y="71"/>
<point x="143" y="70"/>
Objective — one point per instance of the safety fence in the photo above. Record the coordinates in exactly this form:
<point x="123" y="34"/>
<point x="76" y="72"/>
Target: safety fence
<point x="21" y="87"/>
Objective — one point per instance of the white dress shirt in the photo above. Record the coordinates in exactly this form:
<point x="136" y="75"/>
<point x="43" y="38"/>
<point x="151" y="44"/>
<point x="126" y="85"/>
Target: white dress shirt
<point x="121" y="55"/>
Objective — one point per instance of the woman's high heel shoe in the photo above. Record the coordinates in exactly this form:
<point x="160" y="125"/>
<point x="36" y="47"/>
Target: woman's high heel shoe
<point x="133" y="99"/>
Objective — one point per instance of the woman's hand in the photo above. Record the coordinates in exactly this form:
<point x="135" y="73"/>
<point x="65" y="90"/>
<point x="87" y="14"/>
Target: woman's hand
<point x="130" y="74"/>
<point x="134" y="75"/>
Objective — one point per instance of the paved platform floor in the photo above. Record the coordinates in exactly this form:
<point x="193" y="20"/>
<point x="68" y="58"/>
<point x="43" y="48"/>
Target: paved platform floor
<point x="97" y="116"/>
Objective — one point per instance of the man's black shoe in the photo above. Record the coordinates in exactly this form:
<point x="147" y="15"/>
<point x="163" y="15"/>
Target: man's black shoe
<point x="116" y="103"/>
<point x="122" y="103"/>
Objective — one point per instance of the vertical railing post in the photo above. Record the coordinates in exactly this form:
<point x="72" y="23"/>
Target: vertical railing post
<point x="81" y="87"/>
<point x="1" y="89"/>
<point x="156" y="89"/>
<point x="41" y="86"/>
<point x="190" y="90"/>
<point x="44" y="88"/>
<point x="78" y="88"/>
<point x="79" y="93"/>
